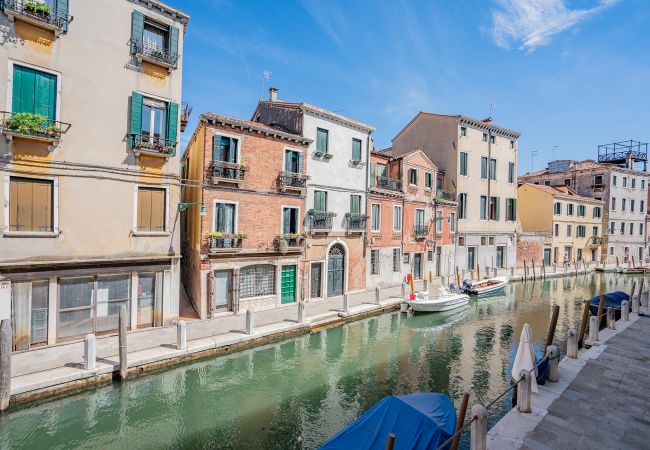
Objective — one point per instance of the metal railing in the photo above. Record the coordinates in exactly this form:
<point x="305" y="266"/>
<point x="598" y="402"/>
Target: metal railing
<point x="420" y="231"/>
<point x="152" y="52"/>
<point x="227" y="170"/>
<point x="320" y="220"/>
<point x="186" y="110"/>
<point x="292" y="180"/>
<point x="32" y="125"/>
<point x="37" y="11"/>
<point x="225" y="242"/>
<point x="355" y="222"/>
<point x="290" y="240"/>
<point x="390" y="184"/>
<point x="446" y="195"/>
<point x="145" y="142"/>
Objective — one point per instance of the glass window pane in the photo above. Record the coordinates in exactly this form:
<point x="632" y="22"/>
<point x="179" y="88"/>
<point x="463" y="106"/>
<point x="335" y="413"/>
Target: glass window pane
<point x="146" y="120"/>
<point x="155" y="36"/>
<point x="257" y="280"/>
<point x="75" y="309"/>
<point x="146" y="296"/>
<point x="113" y="291"/>
<point x="40" y="301"/>
<point x="159" y="123"/>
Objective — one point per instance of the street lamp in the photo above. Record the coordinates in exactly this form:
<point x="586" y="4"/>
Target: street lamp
<point x="184" y="206"/>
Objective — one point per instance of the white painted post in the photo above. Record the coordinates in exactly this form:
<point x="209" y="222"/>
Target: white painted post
<point x="554" y="267"/>
<point x="593" y="330"/>
<point x="5" y="363"/>
<point x="250" y="321"/>
<point x="404" y="289"/>
<point x="124" y="364"/>
<point x="611" y="319"/>
<point x="635" y="304"/>
<point x="524" y="392"/>
<point x="553" y="354"/>
<point x="90" y="352"/>
<point x="478" y="438"/>
<point x="181" y="335"/>
<point x="425" y="285"/>
<point x="625" y="310"/>
<point x="301" y="312"/>
<point x="572" y="344"/>
<point x="377" y="295"/>
<point x="512" y="271"/>
<point x="346" y="304"/>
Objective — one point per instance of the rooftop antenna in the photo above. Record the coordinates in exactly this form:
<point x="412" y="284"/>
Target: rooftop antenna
<point x="554" y="148"/>
<point x="533" y="153"/>
<point x="266" y="75"/>
<point x="493" y="106"/>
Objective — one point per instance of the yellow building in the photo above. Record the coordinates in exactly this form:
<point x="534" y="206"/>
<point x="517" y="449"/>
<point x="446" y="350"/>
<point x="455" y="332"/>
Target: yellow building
<point x="575" y="222"/>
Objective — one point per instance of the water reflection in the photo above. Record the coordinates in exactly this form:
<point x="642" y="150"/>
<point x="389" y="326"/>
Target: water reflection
<point x="308" y="387"/>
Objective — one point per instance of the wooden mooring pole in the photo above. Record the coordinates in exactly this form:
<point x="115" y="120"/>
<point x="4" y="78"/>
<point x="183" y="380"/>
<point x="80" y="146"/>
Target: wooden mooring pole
<point x="457" y="277"/>
<point x="583" y="323"/>
<point x="124" y="366"/>
<point x="5" y="364"/>
<point x="551" y="328"/>
<point x="478" y="272"/>
<point x="601" y="303"/>
<point x="390" y="442"/>
<point x="525" y="270"/>
<point x="532" y="261"/>
<point x="460" y="421"/>
<point x="543" y="270"/>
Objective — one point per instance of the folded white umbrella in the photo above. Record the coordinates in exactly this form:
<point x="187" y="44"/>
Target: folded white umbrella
<point x="525" y="358"/>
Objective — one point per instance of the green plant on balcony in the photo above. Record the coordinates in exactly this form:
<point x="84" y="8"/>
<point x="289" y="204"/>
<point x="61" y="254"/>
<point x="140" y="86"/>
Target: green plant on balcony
<point x="157" y="53"/>
<point x="29" y="123"/>
<point x="221" y="234"/>
<point x="38" y="8"/>
<point x="438" y="199"/>
<point x="292" y="235"/>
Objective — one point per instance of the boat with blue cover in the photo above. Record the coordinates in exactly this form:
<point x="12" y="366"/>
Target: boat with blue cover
<point x="418" y="421"/>
<point x="612" y="300"/>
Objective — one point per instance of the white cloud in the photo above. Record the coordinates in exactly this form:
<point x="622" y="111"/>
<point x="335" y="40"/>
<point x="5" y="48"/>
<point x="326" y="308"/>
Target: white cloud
<point x="325" y="16"/>
<point x="529" y="24"/>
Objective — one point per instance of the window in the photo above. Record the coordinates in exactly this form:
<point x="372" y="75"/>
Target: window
<point x="622" y="228"/>
<point x="419" y="218"/>
<point x="640" y="229"/>
<point x="452" y="222"/>
<point x="397" y="218"/>
<point x="511" y="209"/>
<point x="413" y="177"/>
<point x="633" y="183"/>
<point x="429" y="256"/>
<point x="34" y="92"/>
<point x="511" y="172"/>
<point x="463" y="131"/>
<point x="581" y="210"/>
<point x="631" y="228"/>
<point x="155" y="36"/>
<point x="438" y="221"/>
<point x="30" y="205"/>
<point x="579" y="255"/>
<point x="613" y="180"/>
<point x="598" y="179"/>
<point x="483" y="241"/>
<point x="491" y="240"/>
<point x="29" y="313"/>
<point x="485" y="137"/>
<point x="567" y="182"/>
<point x="484" y="167"/>
<point x="374" y="262"/>
<point x="320" y="201"/>
<point x="493" y="169"/>
<point x="612" y="227"/>
<point x="293" y="161"/>
<point x="462" y="206"/>
<point x="428" y="180"/>
<point x="461" y="241"/>
<point x="512" y="144"/>
<point x="547" y="183"/>
<point x="594" y="231"/>
<point x="569" y="230"/>
<point x="356" y="150"/>
<point x="569" y="209"/>
<point x="642" y="207"/>
<point x="557" y="230"/>
<point x="611" y="251"/>
<point x="623" y="204"/>
<point x="290" y="220"/>
<point x="257" y="280"/>
<point x="613" y="203"/>
<point x="151" y="209"/>
<point x="376" y="217"/>
<point x="557" y="208"/>
<point x="355" y="204"/>
<point x="155" y="122"/>
<point x="597" y="212"/>
<point x="322" y="141"/>
<point x="396" y="260"/>
<point x="624" y="181"/>
<point x="407" y="258"/>
<point x="631" y="205"/>
<point x="225" y="215"/>
<point x="642" y="185"/>
<point x="153" y="119"/>
<point x="463" y="163"/>
<point x="493" y="139"/>
<point x="225" y="149"/>
<point x="483" y="207"/>
<point x="494" y="208"/>
<point x="581" y="231"/>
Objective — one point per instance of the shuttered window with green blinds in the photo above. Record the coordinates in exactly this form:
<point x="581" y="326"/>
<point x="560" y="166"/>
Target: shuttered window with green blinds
<point x="34" y="92"/>
<point x="320" y="201"/>
<point x="356" y="150"/>
<point x="137" y="29"/>
<point x="172" y="121"/>
<point x="355" y="204"/>
<point x="322" y="137"/>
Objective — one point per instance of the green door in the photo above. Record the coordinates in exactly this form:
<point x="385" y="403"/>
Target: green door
<point x="288" y="289"/>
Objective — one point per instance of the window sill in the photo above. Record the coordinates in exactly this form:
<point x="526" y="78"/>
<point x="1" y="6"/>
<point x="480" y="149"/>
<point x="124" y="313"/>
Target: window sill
<point x="31" y="234"/>
<point x="150" y="233"/>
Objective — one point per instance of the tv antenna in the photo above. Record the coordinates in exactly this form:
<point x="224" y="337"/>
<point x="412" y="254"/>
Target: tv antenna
<point x="533" y="153"/>
<point x="554" y="149"/>
<point x="493" y="106"/>
<point x="266" y="75"/>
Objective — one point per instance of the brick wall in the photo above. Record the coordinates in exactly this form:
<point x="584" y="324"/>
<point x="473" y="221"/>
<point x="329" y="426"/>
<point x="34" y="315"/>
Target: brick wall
<point x="531" y="247"/>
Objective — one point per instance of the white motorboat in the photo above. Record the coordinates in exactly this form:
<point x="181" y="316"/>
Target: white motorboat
<point x="445" y="302"/>
<point x="485" y="286"/>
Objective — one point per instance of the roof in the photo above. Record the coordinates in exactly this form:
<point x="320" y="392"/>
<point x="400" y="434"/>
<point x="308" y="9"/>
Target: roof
<point x="587" y="164"/>
<point x="254" y="127"/>
<point x="564" y="192"/>
<point x="164" y="8"/>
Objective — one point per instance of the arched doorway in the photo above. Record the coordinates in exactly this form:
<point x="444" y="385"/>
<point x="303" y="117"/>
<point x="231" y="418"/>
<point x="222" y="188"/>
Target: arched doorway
<point x="335" y="270"/>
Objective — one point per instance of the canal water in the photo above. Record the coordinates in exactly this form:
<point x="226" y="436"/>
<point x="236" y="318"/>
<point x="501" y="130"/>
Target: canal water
<point x="299" y="392"/>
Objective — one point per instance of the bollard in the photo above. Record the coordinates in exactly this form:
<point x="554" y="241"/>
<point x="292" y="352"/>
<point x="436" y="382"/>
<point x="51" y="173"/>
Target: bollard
<point x="90" y="352"/>
<point x="377" y="296"/>
<point x="250" y="321"/>
<point x="611" y="319"/>
<point x="301" y="312"/>
<point x="512" y="271"/>
<point x="625" y="310"/>
<point x="593" y="330"/>
<point x="572" y="344"/>
<point x="5" y="363"/>
<point x="346" y="304"/>
<point x="553" y="354"/>
<point x="181" y="335"/>
<point x="554" y="267"/>
<point x="124" y="364"/>
<point x="425" y="285"/>
<point x="390" y="442"/>
<point x="478" y="438"/>
<point x="403" y="291"/>
<point x="635" y="305"/>
<point x="524" y="391"/>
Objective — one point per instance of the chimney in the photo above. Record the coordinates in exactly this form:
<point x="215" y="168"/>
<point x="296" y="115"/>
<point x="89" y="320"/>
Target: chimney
<point x="273" y="94"/>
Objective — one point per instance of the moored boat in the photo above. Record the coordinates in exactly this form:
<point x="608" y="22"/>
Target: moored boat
<point x="446" y="301"/>
<point x="485" y="286"/>
<point x="630" y="270"/>
<point x="612" y="300"/>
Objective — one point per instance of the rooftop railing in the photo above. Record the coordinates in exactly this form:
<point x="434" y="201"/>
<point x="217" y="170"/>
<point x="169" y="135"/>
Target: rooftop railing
<point x="389" y="184"/>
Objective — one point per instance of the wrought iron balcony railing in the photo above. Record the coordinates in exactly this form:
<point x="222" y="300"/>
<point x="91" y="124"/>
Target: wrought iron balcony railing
<point x="355" y="222"/>
<point x="420" y="231"/>
<point x="225" y="242"/>
<point x="153" y="53"/>
<point x="442" y="195"/>
<point x="223" y="170"/>
<point x="151" y="145"/>
<point x="597" y="240"/>
<point x="320" y="220"/>
<point x="32" y="126"/>
<point x="598" y="186"/>
<point x="290" y="241"/>
<point x="37" y="13"/>
<point x="389" y="184"/>
<point x="293" y="181"/>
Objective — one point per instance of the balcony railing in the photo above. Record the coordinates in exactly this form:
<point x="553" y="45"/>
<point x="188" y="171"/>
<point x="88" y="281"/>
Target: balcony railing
<point x="151" y="145"/>
<point x="37" y="13"/>
<point x="420" y="231"/>
<point x="597" y="240"/>
<point x="355" y="222"/>
<point x="292" y="181"/>
<point x="186" y="110"/>
<point x="225" y="243"/>
<point x="320" y="220"/>
<point x="226" y="171"/>
<point x="32" y="126"/>
<point x="286" y="242"/>
<point x="597" y="186"/>
<point x="150" y="52"/>
<point x="442" y="196"/>
<point x="389" y="184"/>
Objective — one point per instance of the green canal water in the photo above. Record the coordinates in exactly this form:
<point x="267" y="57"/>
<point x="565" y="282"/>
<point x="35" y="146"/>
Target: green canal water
<point x="299" y="392"/>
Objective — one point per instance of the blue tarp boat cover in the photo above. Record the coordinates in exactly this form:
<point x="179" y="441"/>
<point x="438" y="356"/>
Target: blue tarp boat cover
<point x="612" y="300"/>
<point x="419" y="421"/>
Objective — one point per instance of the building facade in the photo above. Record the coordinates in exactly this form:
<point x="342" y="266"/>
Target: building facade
<point x="89" y="195"/>
<point x="336" y="213"/>
<point x="574" y="222"/>
<point x="247" y="250"/>
<point x="479" y="160"/>
<point x="624" y="193"/>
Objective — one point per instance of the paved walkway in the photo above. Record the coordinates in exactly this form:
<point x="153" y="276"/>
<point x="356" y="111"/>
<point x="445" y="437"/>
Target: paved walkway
<point x="607" y="406"/>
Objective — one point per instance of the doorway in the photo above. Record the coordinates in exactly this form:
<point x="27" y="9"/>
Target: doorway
<point x="335" y="270"/>
<point x="547" y="257"/>
<point x="471" y="258"/>
<point x="417" y="266"/>
<point x="500" y="253"/>
<point x="288" y="285"/>
<point x="221" y="290"/>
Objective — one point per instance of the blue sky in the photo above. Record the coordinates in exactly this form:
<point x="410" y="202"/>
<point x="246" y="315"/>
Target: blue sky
<point x="566" y="73"/>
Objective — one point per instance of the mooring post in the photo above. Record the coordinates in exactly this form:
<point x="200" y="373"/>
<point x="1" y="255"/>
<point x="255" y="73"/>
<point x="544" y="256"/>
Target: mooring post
<point x="478" y="438"/>
<point x="554" y="267"/>
<point x="611" y="319"/>
<point x="635" y="305"/>
<point x="390" y="442"/>
<point x="543" y="270"/>
<point x="551" y="328"/>
<point x="124" y="365"/>
<point x="478" y="272"/>
<point x="641" y="289"/>
<point x="593" y="330"/>
<point x="525" y="270"/>
<point x="403" y="291"/>
<point x="583" y="322"/>
<point x="5" y="363"/>
<point x="457" y="277"/>
<point x="553" y="354"/>
<point x="90" y="352"/>
<point x="250" y="321"/>
<point x="532" y="261"/>
<point x="181" y="335"/>
<point x="301" y="312"/>
<point x="460" y="421"/>
<point x="572" y="344"/>
<point x="524" y="391"/>
<point x="625" y="310"/>
<point x="346" y="304"/>
<point x="425" y="285"/>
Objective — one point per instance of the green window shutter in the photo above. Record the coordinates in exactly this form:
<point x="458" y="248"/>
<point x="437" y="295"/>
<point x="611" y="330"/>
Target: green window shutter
<point x="136" y="114"/>
<point x="372" y="174"/>
<point x="356" y="150"/>
<point x="216" y="146"/>
<point x="45" y="95"/>
<point x="301" y="163"/>
<point x="498" y="207"/>
<point x="172" y="121"/>
<point x="61" y="11"/>
<point x="286" y="220"/>
<point x="23" y="96"/>
<point x="355" y="204"/>
<point x="320" y="201"/>
<point x="173" y="41"/>
<point x="137" y="30"/>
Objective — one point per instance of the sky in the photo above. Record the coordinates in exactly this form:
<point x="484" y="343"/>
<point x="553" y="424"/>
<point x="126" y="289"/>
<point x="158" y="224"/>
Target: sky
<point x="568" y="74"/>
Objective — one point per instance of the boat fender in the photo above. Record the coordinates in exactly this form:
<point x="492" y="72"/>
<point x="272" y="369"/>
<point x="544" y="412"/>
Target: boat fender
<point x="412" y="297"/>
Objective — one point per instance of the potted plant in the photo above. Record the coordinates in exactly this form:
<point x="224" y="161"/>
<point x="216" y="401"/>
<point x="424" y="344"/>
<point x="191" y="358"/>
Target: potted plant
<point x="31" y="124"/>
<point x="157" y="53"/>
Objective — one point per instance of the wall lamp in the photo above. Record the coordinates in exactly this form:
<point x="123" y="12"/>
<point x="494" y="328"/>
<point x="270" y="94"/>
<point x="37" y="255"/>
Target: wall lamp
<point x="184" y="206"/>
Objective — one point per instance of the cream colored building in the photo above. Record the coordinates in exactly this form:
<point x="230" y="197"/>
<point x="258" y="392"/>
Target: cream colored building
<point x="89" y="150"/>
<point x="575" y="222"/>
<point x="479" y="161"/>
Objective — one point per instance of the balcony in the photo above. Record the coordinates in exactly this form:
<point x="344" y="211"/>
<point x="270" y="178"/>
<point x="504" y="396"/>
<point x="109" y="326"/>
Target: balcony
<point x="32" y="126"/>
<point x="597" y="240"/>
<point x="320" y="221"/>
<point x="38" y="14"/>
<point x="598" y="187"/>
<point x="444" y="196"/>
<point x="290" y="241"/>
<point x="225" y="243"/>
<point x="226" y="172"/>
<point x="151" y="145"/>
<point x="420" y="231"/>
<point x="355" y="223"/>
<point x="186" y="110"/>
<point x="387" y="184"/>
<point x="295" y="182"/>
<point x="152" y="53"/>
